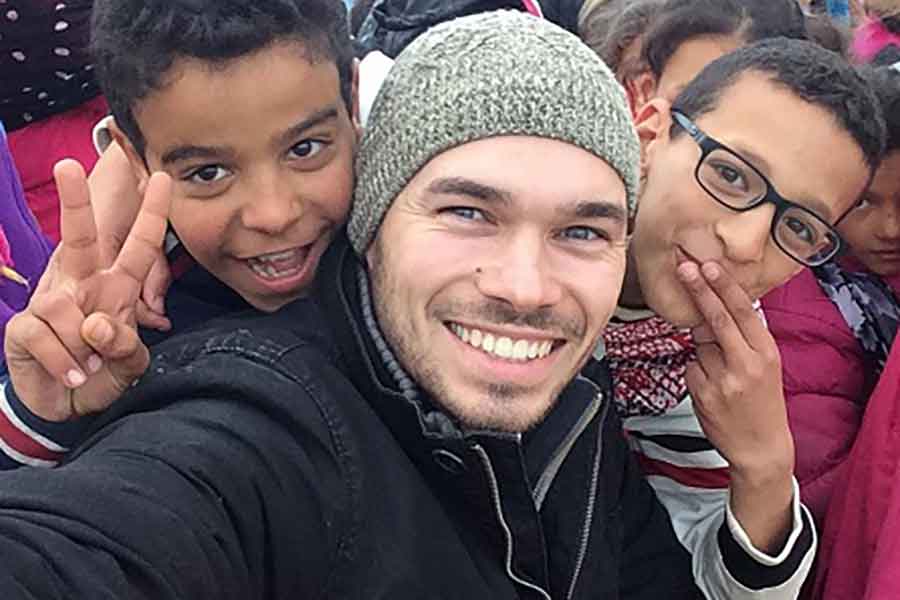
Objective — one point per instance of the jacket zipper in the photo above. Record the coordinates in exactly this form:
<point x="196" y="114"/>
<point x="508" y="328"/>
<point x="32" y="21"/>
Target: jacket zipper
<point x="546" y="478"/>
<point x="498" y="508"/>
<point x="592" y="497"/>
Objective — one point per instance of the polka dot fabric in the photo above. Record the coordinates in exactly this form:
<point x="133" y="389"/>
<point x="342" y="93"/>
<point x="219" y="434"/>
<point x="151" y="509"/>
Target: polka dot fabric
<point x="44" y="59"/>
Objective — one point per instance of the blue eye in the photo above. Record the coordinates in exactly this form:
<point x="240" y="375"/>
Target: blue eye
<point x="467" y="213"/>
<point x="307" y="148"/>
<point x="583" y="234"/>
<point x="207" y="174"/>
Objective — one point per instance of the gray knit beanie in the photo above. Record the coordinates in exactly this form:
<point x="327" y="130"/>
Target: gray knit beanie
<point x="487" y="75"/>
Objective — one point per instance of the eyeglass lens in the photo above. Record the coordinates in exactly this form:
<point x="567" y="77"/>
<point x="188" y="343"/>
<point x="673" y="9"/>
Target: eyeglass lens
<point x="734" y="183"/>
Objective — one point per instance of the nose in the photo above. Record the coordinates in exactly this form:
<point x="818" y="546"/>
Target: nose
<point x="745" y="235"/>
<point x="520" y="275"/>
<point x="273" y="205"/>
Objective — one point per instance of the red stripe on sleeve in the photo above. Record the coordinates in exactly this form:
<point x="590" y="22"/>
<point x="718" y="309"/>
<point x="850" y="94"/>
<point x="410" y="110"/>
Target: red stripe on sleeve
<point x="22" y="443"/>
<point x="711" y="479"/>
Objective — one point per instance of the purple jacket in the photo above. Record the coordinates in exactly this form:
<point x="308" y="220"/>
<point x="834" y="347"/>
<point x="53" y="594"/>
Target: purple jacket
<point x="28" y="248"/>
<point x="826" y="382"/>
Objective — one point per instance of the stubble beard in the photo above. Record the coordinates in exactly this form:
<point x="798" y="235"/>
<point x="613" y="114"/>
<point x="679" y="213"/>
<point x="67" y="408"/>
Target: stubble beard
<point x="495" y="410"/>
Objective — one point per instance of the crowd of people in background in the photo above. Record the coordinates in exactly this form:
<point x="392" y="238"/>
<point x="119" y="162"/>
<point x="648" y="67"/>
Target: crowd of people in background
<point x="421" y="298"/>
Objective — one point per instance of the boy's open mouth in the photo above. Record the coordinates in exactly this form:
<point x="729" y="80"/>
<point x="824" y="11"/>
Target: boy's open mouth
<point x="279" y="265"/>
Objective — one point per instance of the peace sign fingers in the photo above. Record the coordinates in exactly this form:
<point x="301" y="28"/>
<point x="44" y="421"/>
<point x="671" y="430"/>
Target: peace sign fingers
<point x="146" y="237"/>
<point x="79" y="255"/>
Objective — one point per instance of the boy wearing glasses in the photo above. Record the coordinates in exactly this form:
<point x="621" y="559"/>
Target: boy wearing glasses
<point x="746" y="176"/>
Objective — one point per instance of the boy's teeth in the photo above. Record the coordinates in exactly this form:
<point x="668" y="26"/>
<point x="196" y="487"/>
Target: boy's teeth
<point x="501" y="346"/>
<point x="278" y="264"/>
<point x="277" y="255"/>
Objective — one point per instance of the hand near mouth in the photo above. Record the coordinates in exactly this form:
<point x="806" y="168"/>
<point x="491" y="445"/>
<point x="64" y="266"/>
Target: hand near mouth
<point x="75" y="347"/>
<point x="736" y="386"/>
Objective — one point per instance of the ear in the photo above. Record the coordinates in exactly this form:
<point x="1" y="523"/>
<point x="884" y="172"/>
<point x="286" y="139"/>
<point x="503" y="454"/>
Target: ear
<point x="137" y="162"/>
<point x="641" y="89"/>
<point x="652" y="123"/>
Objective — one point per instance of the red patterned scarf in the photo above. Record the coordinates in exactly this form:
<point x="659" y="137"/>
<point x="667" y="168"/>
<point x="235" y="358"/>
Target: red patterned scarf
<point x="648" y="358"/>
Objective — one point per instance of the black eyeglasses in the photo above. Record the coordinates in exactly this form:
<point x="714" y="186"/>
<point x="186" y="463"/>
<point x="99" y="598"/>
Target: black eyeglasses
<point x="736" y="184"/>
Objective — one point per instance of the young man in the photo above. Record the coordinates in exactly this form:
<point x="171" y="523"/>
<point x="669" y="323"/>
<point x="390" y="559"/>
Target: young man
<point x="718" y="189"/>
<point x="362" y="448"/>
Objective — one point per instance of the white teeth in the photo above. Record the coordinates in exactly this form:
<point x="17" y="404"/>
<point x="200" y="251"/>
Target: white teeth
<point x="276" y="255"/>
<point x="503" y="347"/>
<point x="266" y="265"/>
<point x="267" y="271"/>
<point x="488" y="344"/>
<point x="520" y="350"/>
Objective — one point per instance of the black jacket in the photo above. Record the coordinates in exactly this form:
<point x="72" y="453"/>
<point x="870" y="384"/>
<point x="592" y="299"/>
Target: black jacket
<point x="247" y="464"/>
<point x="392" y="24"/>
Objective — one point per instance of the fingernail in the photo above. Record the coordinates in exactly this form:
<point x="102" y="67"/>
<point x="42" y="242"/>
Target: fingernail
<point x="711" y="271"/>
<point x="102" y="332"/>
<point x="94" y="363"/>
<point x="75" y="378"/>
<point x="157" y="304"/>
<point x="688" y="271"/>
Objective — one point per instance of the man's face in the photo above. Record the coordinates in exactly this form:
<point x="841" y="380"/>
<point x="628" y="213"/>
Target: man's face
<point x="799" y="147"/>
<point x="261" y="153"/>
<point x="873" y="229"/>
<point x="495" y="271"/>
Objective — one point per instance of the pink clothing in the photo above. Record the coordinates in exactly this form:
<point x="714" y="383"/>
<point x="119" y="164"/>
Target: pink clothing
<point x="860" y="547"/>
<point x="870" y="38"/>
<point x="825" y="380"/>
<point x="39" y="146"/>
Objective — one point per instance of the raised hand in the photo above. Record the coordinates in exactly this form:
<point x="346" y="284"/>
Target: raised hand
<point x="736" y="386"/>
<point x="75" y="348"/>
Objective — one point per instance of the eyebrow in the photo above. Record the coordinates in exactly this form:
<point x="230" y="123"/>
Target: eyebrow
<point x="314" y="120"/>
<point x="460" y="186"/>
<point x="596" y="209"/>
<point x="191" y="151"/>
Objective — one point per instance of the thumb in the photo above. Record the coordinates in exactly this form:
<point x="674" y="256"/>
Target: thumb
<point x="123" y="353"/>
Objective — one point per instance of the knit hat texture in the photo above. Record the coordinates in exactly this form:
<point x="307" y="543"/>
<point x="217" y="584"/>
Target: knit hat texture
<point x="493" y="74"/>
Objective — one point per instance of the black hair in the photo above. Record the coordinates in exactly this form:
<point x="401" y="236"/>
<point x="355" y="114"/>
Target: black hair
<point x="812" y="73"/>
<point x="610" y="27"/>
<point x="885" y="81"/>
<point x="679" y="21"/>
<point x="826" y="32"/>
<point x="136" y="42"/>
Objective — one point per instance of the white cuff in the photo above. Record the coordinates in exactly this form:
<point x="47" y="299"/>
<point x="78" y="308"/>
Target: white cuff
<point x="743" y="540"/>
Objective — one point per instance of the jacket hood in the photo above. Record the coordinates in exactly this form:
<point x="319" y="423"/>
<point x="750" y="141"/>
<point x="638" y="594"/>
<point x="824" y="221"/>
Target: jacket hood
<point x="392" y="24"/>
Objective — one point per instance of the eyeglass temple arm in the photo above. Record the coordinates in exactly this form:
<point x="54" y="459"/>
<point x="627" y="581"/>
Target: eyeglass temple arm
<point x="689" y="126"/>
